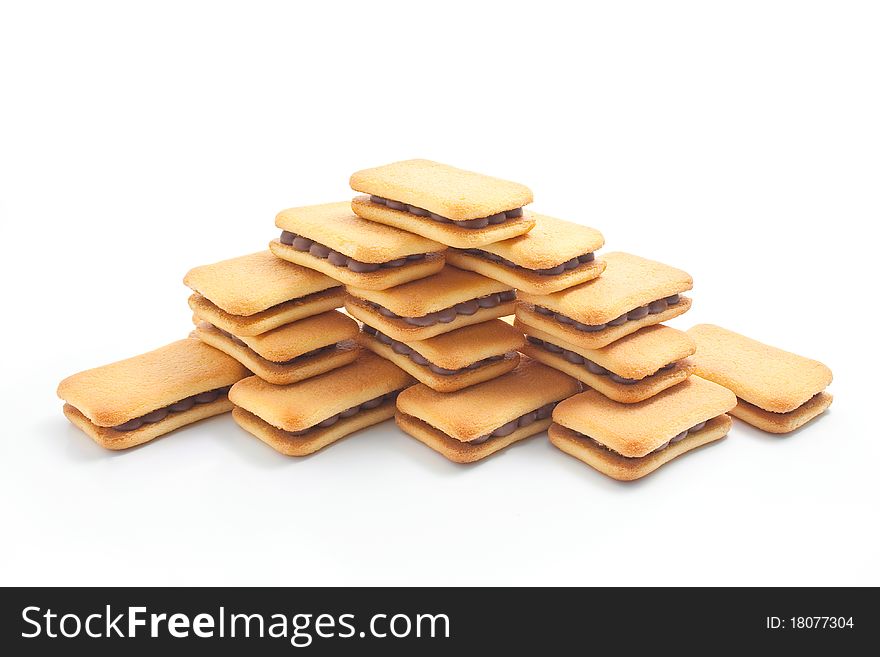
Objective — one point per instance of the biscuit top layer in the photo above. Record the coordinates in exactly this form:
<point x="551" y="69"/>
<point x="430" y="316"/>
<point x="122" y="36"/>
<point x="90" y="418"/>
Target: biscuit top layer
<point x="770" y="378"/>
<point x="482" y="408"/>
<point x="334" y="225"/>
<point x="461" y="347"/>
<point x="551" y="242"/>
<point x="302" y="405"/>
<point x="628" y="282"/>
<point x="297" y="338"/>
<point x="634" y="430"/>
<point x="634" y="356"/>
<point x="113" y="394"/>
<point x="250" y="284"/>
<point x="452" y="193"/>
<point x="427" y="295"/>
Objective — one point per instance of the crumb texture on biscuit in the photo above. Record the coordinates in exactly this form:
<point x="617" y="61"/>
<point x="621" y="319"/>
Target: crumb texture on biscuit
<point x="297" y="338"/>
<point x="302" y="405"/>
<point x="768" y="377"/>
<point x="628" y="282"/>
<point x="480" y="409"/>
<point x="113" y="394"/>
<point x="252" y="283"/>
<point x="551" y="242"/>
<point x="634" y="430"/>
<point x="453" y="193"/>
<point x="461" y="347"/>
<point x="335" y="225"/>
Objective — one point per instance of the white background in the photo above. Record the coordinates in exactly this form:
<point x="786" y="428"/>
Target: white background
<point x="738" y="141"/>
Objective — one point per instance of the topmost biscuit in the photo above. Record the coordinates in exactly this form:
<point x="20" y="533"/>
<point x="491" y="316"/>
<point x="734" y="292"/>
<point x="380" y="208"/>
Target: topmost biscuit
<point x="452" y="193"/>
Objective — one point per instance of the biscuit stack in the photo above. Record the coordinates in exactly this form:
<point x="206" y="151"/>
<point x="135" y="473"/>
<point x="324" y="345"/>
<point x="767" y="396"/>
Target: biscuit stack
<point x="430" y="259"/>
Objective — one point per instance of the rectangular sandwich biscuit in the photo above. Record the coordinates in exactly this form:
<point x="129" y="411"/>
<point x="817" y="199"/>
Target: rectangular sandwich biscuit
<point x="631" y="293"/>
<point x="303" y="417"/>
<point x="258" y="292"/>
<point x="470" y="424"/>
<point x="629" y="370"/>
<point x="453" y="206"/>
<point x="292" y="352"/>
<point x="777" y="391"/>
<point x="628" y="441"/>
<point x="332" y="239"/>
<point x="553" y="256"/>
<point x="133" y="401"/>
<point x="419" y="310"/>
<point x="455" y="360"/>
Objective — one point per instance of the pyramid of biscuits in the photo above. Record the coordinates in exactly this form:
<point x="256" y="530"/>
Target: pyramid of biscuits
<point x="439" y="298"/>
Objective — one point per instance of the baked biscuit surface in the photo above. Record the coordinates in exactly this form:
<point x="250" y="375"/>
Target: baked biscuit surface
<point x="335" y="225"/>
<point x="113" y="394"/>
<point x="551" y="242"/>
<point x="634" y="430"/>
<point x="466" y="345"/>
<point x="445" y="190"/>
<point x="253" y="283"/>
<point x="770" y="378"/>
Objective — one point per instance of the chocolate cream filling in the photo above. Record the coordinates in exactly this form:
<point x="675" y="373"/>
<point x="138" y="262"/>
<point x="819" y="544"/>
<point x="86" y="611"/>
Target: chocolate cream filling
<point x="482" y="222"/>
<point x="338" y="259"/>
<point x="290" y="361"/>
<point x="593" y="368"/>
<point x="675" y="439"/>
<point x="448" y="315"/>
<point x="405" y="350"/>
<point x="552" y="271"/>
<point x="524" y="420"/>
<point x="375" y="402"/>
<point x="653" y="308"/>
<point x="177" y="407"/>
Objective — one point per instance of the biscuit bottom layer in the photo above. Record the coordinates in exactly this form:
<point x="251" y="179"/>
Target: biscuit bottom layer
<point x="672" y="441"/>
<point x="405" y="350"/>
<point x="482" y="222"/>
<point x="185" y="404"/>
<point x="447" y="315"/>
<point x="653" y="308"/>
<point x="573" y="263"/>
<point x="368" y="405"/>
<point x="594" y="368"/>
<point x="306" y="245"/>
<point x="773" y="422"/>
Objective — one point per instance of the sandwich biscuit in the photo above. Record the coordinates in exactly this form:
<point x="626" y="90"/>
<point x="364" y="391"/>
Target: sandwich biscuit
<point x="553" y="256"/>
<point x="470" y="424"/>
<point x="630" y="370"/>
<point x="438" y="304"/>
<point x="333" y="240"/>
<point x="292" y="352"/>
<point x="452" y="206"/>
<point x="303" y="417"/>
<point x="630" y="294"/>
<point x="629" y="441"/>
<point x="133" y="401"/>
<point x="777" y="391"/>
<point x="252" y="294"/>
<point x="455" y="360"/>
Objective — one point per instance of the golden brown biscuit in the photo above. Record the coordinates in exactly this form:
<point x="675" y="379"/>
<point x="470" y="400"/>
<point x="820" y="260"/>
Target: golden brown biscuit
<point x="625" y="289"/>
<point x="289" y="445"/>
<point x="254" y="283"/>
<point x="450" y="192"/>
<point x="782" y="422"/>
<point x="528" y="314"/>
<point x="113" y="394"/>
<point x="636" y="430"/>
<point x="297" y="369"/>
<point x="628" y="469"/>
<point x="490" y="410"/>
<point x="445" y="233"/>
<point x="297" y="338"/>
<point x="553" y="256"/>
<point x="110" y="438"/>
<point x="304" y="405"/>
<point x="272" y="318"/>
<point x="765" y="377"/>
